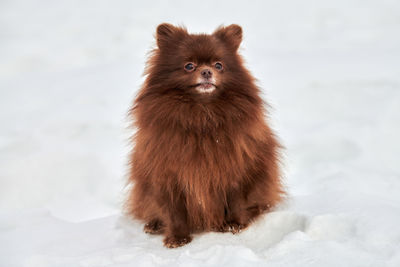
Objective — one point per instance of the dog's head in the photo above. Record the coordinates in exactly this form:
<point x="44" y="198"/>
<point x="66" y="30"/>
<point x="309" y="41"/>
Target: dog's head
<point x="201" y="64"/>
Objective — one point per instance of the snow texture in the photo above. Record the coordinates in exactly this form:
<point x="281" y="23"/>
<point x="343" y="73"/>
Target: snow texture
<point x="69" y="71"/>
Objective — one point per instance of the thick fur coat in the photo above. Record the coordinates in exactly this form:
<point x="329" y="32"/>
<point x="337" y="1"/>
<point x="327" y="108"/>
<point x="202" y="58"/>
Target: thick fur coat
<point x="204" y="157"/>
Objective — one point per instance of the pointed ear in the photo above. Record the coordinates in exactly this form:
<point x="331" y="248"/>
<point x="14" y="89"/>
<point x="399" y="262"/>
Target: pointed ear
<point x="231" y="35"/>
<point x="168" y="34"/>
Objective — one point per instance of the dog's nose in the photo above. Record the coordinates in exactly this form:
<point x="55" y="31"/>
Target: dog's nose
<point x="206" y="73"/>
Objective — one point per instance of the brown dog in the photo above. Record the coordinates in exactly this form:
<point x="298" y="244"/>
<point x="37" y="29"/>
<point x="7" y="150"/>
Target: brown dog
<point x="204" y="157"/>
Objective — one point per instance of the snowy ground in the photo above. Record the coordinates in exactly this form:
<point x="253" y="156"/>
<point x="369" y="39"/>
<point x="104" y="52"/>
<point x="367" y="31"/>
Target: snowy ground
<point x="68" y="73"/>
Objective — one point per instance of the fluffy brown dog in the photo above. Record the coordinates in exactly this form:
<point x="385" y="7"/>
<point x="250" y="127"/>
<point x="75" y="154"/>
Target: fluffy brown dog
<point x="204" y="157"/>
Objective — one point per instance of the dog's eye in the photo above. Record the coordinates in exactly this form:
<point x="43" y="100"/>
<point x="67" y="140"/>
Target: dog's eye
<point x="189" y="67"/>
<point x="218" y="66"/>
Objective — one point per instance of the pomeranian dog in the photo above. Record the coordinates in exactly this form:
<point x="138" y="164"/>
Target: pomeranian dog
<point x="204" y="157"/>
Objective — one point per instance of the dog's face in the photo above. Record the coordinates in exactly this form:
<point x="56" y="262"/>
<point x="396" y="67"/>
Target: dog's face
<point x="197" y="63"/>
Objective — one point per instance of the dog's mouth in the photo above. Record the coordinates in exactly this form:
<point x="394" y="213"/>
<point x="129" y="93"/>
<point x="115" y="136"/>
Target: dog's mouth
<point x="205" y="87"/>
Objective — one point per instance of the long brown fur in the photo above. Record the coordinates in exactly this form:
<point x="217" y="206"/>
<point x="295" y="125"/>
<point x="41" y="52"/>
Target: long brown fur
<point x="201" y="162"/>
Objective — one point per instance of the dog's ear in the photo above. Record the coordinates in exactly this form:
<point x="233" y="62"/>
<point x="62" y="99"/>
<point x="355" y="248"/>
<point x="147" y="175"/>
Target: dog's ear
<point x="167" y="35"/>
<point x="231" y="35"/>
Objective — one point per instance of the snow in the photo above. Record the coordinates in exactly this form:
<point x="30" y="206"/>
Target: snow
<point x="70" y="69"/>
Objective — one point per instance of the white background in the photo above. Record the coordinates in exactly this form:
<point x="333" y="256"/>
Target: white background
<point x="69" y="71"/>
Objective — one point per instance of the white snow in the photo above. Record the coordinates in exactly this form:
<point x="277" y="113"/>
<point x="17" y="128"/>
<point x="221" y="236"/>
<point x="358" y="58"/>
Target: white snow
<point x="70" y="69"/>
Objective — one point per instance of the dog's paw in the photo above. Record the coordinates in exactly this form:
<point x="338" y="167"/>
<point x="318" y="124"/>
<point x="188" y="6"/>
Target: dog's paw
<point x="154" y="227"/>
<point x="233" y="227"/>
<point x="236" y="228"/>
<point x="176" y="241"/>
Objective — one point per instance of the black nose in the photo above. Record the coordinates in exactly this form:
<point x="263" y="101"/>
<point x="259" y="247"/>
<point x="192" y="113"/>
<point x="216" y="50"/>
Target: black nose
<point x="206" y="73"/>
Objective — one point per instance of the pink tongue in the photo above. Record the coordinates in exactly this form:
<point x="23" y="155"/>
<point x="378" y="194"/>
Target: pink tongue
<point x="206" y="85"/>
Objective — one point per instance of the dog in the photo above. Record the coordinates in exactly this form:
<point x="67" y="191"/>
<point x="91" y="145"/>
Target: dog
<point x="204" y="157"/>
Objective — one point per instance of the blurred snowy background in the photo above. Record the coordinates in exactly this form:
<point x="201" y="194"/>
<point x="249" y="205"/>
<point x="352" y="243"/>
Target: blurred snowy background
<point x="69" y="71"/>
